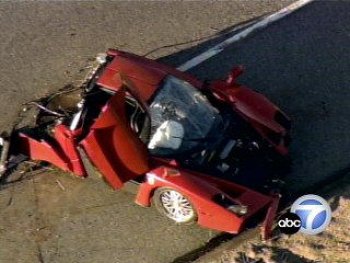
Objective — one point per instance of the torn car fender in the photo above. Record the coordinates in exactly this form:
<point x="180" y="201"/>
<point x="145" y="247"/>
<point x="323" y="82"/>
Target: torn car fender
<point x="41" y="150"/>
<point x="59" y="150"/>
<point x="266" y="229"/>
<point x="266" y="118"/>
<point x="68" y="143"/>
<point x="201" y="190"/>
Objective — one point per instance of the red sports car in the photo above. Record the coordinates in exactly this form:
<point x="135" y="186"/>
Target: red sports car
<point x="195" y="149"/>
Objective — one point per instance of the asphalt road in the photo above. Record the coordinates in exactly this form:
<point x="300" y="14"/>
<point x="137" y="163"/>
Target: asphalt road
<point x="55" y="217"/>
<point x="300" y="62"/>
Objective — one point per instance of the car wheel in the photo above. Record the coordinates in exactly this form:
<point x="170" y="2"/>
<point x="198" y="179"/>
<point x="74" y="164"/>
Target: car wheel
<point x="174" y="205"/>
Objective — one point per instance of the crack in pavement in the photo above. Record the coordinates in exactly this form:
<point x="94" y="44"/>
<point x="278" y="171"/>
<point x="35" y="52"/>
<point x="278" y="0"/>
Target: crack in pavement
<point x="37" y="222"/>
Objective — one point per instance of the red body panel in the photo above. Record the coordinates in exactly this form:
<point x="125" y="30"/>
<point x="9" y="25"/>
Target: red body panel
<point x="61" y="153"/>
<point x="200" y="190"/>
<point x="112" y="147"/>
<point x="67" y="140"/>
<point x="41" y="150"/>
<point x="254" y="107"/>
<point x="145" y="73"/>
<point x="270" y="216"/>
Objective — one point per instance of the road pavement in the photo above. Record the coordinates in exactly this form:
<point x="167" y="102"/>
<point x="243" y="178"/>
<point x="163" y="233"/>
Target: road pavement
<point x="300" y="62"/>
<point x="55" y="217"/>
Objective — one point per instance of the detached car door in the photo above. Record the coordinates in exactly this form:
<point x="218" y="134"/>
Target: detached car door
<point x="113" y="147"/>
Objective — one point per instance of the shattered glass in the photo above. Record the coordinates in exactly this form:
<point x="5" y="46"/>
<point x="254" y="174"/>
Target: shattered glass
<point x="178" y="101"/>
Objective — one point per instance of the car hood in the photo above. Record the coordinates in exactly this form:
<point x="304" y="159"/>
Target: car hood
<point x="146" y="74"/>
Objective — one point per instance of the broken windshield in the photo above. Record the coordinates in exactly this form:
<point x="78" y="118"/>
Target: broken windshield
<point x="181" y="118"/>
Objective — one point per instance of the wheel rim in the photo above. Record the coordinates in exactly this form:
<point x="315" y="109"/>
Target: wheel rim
<point x="176" y="206"/>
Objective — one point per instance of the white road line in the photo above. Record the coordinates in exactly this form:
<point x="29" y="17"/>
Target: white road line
<point x="258" y="25"/>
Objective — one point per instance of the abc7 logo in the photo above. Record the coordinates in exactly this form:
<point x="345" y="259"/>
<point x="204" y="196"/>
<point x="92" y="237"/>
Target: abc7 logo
<point x="310" y="214"/>
<point x="289" y="223"/>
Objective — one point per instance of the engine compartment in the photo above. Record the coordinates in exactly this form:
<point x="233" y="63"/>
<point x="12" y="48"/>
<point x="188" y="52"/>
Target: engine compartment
<point x="239" y="155"/>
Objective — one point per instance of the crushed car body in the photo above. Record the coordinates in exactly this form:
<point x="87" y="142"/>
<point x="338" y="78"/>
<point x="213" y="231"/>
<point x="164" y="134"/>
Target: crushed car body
<point x="198" y="151"/>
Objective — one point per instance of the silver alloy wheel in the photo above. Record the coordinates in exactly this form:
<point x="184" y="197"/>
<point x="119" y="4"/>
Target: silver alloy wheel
<point x="176" y="206"/>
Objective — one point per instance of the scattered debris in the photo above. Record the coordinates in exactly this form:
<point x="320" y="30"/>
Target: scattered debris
<point x="5" y="147"/>
<point x="60" y="185"/>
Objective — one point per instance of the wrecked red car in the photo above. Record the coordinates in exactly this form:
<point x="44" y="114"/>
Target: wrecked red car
<point x="196" y="150"/>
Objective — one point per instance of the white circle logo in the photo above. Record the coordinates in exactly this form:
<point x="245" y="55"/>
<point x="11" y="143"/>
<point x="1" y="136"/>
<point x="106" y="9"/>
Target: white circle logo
<point x="314" y="212"/>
